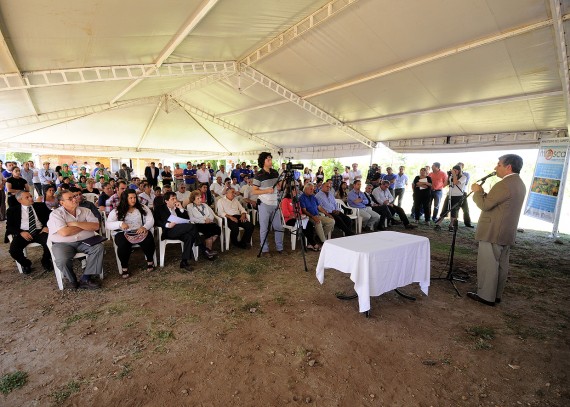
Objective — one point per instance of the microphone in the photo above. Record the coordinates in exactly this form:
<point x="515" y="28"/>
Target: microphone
<point x="487" y="176"/>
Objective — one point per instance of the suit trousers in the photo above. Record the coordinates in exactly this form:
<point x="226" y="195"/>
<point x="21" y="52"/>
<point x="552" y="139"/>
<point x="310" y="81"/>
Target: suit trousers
<point x="492" y="270"/>
<point x="234" y="231"/>
<point x="186" y="232"/>
<point x="343" y="222"/>
<point x="64" y="252"/>
<point x="19" y="244"/>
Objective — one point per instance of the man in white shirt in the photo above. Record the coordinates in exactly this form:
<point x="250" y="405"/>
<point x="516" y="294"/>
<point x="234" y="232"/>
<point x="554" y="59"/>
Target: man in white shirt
<point x="383" y="197"/>
<point x="182" y="195"/>
<point x="203" y="175"/>
<point x="147" y="196"/>
<point x="236" y="216"/>
<point x="355" y="174"/>
<point x="68" y="226"/>
<point x="248" y="197"/>
<point x="217" y="187"/>
<point x="222" y="173"/>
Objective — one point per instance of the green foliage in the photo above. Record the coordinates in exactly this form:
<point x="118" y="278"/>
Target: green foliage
<point x="13" y="381"/>
<point x="328" y="167"/>
<point x="18" y="156"/>
<point x="65" y="392"/>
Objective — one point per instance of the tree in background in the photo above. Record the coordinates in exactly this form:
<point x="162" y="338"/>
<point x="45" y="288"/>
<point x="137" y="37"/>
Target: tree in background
<point x="328" y="167"/>
<point x="18" y="156"/>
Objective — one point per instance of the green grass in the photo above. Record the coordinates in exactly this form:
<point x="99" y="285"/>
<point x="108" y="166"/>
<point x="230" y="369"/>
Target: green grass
<point x="481" y="332"/>
<point x="65" y="392"/>
<point x="13" y="381"/>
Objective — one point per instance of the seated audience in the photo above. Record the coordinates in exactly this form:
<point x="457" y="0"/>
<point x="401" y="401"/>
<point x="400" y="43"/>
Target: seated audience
<point x="175" y="224"/>
<point x="327" y="201"/>
<point x="68" y="226"/>
<point x="324" y="224"/>
<point x="203" y="218"/>
<point x="357" y="199"/>
<point x="236" y="216"/>
<point x="131" y="223"/>
<point x="290" y="214"/>
<point x="27" y="223"/>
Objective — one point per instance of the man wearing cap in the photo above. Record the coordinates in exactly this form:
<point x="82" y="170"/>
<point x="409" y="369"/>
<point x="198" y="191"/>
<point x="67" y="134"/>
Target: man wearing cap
<point x="47" y="177"/>
<point x="27" y="224"/>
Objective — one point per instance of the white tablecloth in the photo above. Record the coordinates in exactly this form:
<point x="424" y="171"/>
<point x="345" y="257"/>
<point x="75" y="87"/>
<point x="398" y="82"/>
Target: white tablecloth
<point x="378" y="262"/>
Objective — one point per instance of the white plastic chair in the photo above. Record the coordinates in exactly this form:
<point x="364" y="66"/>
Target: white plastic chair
<point x="119" y="267"/>
<point x="91" y="197"/>
<point x="226" y="231"/>
<point x="10" y="238"/>
<point x="58" y="272"/>
<point x="293" y="232"/>
<point x="340" y="205"/>
<point x="162" y="247"/>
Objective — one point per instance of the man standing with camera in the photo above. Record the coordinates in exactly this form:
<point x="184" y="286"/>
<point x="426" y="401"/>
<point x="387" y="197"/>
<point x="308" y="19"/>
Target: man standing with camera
<point x="265" y="187"/>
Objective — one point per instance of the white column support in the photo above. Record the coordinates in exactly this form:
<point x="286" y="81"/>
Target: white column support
<point x="151" y="122"/>
<point x="190" y="23"/>
<point x="304" y="26"/>
<point x="73" y="76"/>
<point x="561" y="48"/>
<point x="74" y="112"/>
<point x="226" y="125"/>
<point x="305" y="105"/>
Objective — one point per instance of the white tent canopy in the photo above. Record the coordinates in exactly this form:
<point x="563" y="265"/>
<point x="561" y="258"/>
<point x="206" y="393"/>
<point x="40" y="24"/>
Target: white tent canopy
<point x="310" y="79"/>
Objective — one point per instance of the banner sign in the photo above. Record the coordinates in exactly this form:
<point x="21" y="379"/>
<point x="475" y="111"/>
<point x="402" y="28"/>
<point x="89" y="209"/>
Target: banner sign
<point x="546" y="191"/>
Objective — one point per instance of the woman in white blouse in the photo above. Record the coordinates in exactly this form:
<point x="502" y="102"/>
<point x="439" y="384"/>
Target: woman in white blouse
<point x="203" y="218"/>
<point x="135" y="220"/>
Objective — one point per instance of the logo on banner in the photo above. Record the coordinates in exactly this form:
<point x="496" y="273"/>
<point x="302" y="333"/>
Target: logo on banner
<point x="550" y="153"/>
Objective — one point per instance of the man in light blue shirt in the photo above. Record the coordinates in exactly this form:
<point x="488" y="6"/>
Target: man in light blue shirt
<point x="327" y="201"/>
<point x="400" y="185"/>
<point x="357" y="199"/>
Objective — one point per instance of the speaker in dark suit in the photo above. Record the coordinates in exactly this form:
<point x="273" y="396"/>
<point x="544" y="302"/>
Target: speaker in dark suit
<point x="151" y="174"/>
<point x="27" y="223"/>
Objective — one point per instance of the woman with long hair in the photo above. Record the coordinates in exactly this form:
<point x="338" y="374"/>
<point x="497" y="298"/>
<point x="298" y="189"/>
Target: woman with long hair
<point x="457" y="185"/>
<point x="320" y="175"/>
<point x="342" y="192"/>
<point x="131" y="223"/>
<point x="49" y="198"/>
<point x="289" y="216"/>
<point x="203" y="218"/>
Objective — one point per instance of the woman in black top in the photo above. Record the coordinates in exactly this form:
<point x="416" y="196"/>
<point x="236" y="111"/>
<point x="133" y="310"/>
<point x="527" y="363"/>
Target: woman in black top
<point x="320" y="174"/>
<point x="14" y="184"/>
<point x="422" y="193"/>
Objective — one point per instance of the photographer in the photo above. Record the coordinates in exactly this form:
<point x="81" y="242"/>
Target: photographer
<point x="263" y="186"/>
<point x="457" y="182"/>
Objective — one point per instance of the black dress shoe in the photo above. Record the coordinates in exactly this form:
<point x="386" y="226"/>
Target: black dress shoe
<point x="48" y="266"/>
<point x="89" y="285"/>
<point x="185" y="265"/>
<point x="410" y="226"/>
<point x="475" y="297"/>
<point x="469" y="226"/>
<point x="395" y="222"/>
<point x="497" y="300"/>
<point x="26" y="269"/>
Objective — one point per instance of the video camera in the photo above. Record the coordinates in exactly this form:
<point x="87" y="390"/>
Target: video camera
<point x="290" y="166"/>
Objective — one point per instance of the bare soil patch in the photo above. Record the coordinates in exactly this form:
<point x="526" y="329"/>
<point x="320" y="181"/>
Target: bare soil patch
<point x="243" y="331"/>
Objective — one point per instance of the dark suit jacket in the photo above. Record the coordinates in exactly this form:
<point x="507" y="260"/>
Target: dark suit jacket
<point x="161" y="215"/>
<point x="152" y="179"/>
<point x="14" y="217"/>
<point x="500" y="211"/>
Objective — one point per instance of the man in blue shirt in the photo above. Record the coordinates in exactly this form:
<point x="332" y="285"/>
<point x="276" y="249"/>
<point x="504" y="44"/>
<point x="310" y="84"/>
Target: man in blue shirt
<point x="319" y="217"/>
<point x="327" y="201"/>
<point x="357" y="199"/>
<point x="189" y="177"/>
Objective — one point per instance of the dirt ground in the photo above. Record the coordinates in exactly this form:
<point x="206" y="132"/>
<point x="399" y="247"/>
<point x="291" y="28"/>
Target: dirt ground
<point x="243" y="331"/>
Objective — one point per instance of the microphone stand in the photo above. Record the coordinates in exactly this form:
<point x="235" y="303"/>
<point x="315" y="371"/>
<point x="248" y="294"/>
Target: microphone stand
<point x="451" y="277"/>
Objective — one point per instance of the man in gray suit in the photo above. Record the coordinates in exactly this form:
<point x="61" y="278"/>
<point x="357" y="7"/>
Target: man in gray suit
<point x="497" y="228"/>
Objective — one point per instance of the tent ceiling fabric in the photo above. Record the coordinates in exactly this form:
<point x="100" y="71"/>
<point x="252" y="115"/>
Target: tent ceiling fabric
<point x="398" y="73"/>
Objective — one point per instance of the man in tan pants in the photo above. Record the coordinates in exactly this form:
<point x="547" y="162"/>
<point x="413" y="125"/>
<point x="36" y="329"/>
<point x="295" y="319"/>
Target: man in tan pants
<point x="497" y="228"/>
